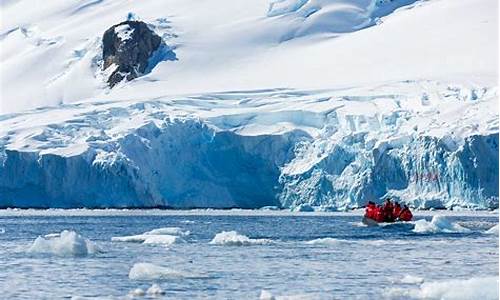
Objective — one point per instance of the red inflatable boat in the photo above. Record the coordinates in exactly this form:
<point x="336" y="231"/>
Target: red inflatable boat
<point x="388" y="212"/>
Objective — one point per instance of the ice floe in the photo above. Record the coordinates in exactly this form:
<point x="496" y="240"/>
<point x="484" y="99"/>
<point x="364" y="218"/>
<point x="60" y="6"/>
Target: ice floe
<point x="169" y="230"/>
<point x="484" y="288"/>
<point x="493" y="230"/>
<point x="438" y="224"/>
<point x="138" y="292"/>
<point x="410" y="279"/>
<point x="155" y="290"/>
<point x="233" y="238"/>
<point x="165" y="236"/>
<point x="149" y="271"/>
<point x="66" y="243"/>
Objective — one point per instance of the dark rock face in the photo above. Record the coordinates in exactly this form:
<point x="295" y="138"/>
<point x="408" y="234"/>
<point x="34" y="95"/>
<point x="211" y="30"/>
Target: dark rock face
<point x="131" y="46"/>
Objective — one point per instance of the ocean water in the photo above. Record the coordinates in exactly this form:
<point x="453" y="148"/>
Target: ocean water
<point x="299" y="255"/>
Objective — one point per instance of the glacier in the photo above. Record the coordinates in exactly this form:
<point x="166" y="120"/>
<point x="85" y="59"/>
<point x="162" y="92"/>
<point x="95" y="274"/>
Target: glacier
<point x="328" y="149"/>
<point x="299" y="104"/>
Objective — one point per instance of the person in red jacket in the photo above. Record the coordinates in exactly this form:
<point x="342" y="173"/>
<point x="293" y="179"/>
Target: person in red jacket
<point x="405" y="214"/>
<point x="388" y="211"/>
<point x="380" y="215"/>
<point x="370" y="210"/>
<point x="396" y="211"/>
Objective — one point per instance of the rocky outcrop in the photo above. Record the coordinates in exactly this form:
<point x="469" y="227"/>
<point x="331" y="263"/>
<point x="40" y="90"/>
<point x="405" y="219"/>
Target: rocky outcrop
<point x="130" y="48"/>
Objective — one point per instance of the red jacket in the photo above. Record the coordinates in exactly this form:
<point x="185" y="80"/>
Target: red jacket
<point x="370" y="211"/>
<point x="405" y="215"/>
<point x="380" y="215"/>
<point x="388" y="209"/>
<point x="396" y="211"/>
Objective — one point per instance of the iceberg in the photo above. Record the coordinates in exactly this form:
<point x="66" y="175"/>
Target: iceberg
<point x="66" y="243"/>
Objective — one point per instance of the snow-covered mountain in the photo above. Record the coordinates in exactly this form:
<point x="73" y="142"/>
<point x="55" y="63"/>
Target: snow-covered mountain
<point x="290" y="103"/>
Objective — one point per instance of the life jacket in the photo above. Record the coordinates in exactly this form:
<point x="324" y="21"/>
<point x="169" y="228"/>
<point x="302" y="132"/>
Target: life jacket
<point x="396" y="211"/>
<point x="370" y="211"/>
<point x="388" y="215"/>
<point x="405" y="215"/>
<point x="380" y="215"/>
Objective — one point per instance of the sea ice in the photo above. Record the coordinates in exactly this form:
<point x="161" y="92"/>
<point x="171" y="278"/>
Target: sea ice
<point x="233" y="238"/>
<point x="163" y="239"/>
<point x="138" y="292"/>
<point x="169" y="230"/>
<point x="493" y="230"/>
<point x="148" y="271"/>
<point x="165" y="236"/>
<point x="155" y="290"/>
<point x="410" y="279"/>
<point x="67" y="243"/>
<point x="438" y="224"/>
<point x="484" y="288"/>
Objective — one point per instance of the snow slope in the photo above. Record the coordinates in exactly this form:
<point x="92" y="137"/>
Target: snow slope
<point x="50" y="51"/>
<point x="270" y="103"/>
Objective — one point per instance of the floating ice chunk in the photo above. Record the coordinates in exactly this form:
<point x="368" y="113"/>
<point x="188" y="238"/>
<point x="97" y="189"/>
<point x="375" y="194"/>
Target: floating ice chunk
<point x="166" y="235"/>
<point x="493" y="230"/>
<point x="147" y="271"/>
<point x="266" y="295"/>
<point x="155" y="290"/>
<point x="438" y="224"/>
<point x="66" y="243"/>
<point x="162" y="239"/>
<point x="474" y="288"/>
<point x="326" y="241"/>
<point x="2" y="230"/>
<point x="410" y="279"/>
<point x="233" y="238"/>
<point x="169" y="230"/>
<point x="140" y="238"/>
<point x="137" y="293"/>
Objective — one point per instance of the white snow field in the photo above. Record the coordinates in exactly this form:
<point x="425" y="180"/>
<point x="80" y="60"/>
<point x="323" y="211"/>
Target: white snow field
<point x="291" y="103"/>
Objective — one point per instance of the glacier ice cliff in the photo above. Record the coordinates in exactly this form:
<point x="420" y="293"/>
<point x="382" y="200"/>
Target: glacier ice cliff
<point x="432" y="147"/>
